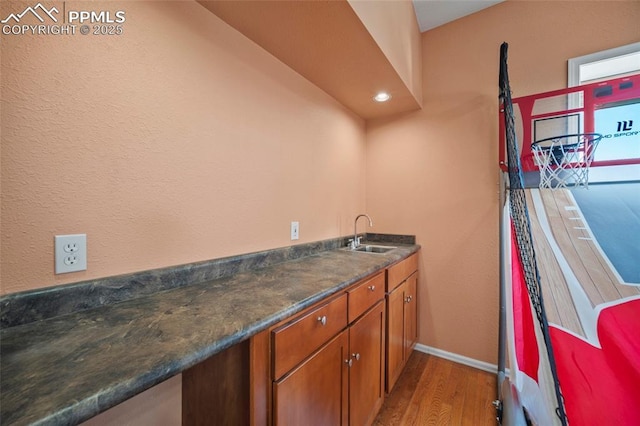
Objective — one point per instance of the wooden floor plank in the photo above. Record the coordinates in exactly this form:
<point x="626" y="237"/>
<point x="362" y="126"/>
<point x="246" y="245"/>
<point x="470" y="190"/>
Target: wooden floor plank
<point x="468" y="409"/>
<point x="484" y="406"/>
<point x="445" y="393"/>
<point x="429" y="380"/>
<point x="393" y="409"/>
<point x="433" y="391"/>
<point x="455" y="395"/>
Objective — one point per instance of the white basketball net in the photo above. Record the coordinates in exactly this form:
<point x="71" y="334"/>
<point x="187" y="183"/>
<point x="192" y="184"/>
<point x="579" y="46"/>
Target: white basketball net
<point x="565" y="160"/>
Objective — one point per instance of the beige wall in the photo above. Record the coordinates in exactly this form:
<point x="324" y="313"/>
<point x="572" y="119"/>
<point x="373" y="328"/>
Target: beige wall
<point x="175" y="142"/>
<point x="434" y="172"/>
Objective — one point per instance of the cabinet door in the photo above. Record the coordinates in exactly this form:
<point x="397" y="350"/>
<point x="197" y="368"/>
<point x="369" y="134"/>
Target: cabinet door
<point x="315" y="393"/>
<point x="395" y="335"/>
<point x="366" y="374"/>
<point x="410" y="315"/>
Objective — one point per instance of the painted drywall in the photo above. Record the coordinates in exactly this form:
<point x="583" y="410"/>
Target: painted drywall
<point x="394" y="27"/>
<point x="174" y="142"/>
<point x="177" y="141"/>
<point x="435" y="172"/>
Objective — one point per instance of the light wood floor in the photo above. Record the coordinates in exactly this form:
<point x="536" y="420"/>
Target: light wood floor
<point x="435" y="391"/>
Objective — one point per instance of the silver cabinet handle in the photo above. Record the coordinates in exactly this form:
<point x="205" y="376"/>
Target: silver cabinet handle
<point x="372" y="287"/>
<point x="408" y="299"/>
<point x="322" y="320"/>
<point x="349" y="362"/>
<point x="356" y="356"/>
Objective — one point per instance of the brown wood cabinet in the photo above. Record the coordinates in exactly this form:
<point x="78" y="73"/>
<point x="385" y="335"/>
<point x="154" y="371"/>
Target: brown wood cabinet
<point x="324" y="366"/>
<point x="315" y="393"/>
<point x="395" y="337"/>
<point x="343" y="382"/>
<point x="216" y="391"/>
<point x="410" y="314"/>
<point x="366" y="372"/>
<point x="310" y="385"/>
<point x="402" y="317"/>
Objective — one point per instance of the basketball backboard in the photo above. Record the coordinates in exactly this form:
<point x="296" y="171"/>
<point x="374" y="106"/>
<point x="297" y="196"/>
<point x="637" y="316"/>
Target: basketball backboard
<point x="610" y="108"/>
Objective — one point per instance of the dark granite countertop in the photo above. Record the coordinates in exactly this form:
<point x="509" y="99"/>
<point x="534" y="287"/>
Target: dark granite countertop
<point x="68" y="368"/>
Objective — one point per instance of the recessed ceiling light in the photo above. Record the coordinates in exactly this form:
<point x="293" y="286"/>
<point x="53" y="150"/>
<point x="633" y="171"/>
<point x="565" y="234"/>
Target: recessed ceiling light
<point x="382" y="97"/>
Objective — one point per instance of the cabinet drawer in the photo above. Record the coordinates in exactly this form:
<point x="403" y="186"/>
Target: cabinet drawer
<point x="297" y="339"/>
<point x="365" y="295"/>
<point x="401" y="271"/>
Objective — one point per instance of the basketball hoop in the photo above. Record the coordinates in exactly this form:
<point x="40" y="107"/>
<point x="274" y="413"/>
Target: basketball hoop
<point x="565" y="160"/>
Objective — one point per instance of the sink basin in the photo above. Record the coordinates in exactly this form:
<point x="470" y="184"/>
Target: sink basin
<point x="368" y="248"/>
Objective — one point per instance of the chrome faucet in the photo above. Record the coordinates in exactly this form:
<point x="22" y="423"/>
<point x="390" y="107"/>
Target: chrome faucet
<point x="355" y="243"/>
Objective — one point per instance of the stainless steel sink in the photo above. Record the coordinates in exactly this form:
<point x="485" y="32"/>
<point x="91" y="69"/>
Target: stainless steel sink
<point x="368" y="248"/>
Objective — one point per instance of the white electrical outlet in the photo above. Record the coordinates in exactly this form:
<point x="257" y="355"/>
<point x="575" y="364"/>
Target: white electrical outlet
<point x="71" y="253"/>
<point x="295" y="230"/>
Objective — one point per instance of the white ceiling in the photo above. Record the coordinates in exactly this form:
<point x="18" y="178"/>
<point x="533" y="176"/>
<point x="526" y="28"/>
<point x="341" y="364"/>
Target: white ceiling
<point x="433" y="13"/>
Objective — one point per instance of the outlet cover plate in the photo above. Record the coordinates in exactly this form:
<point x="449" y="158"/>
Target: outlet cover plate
<point x="295" y="230"/>
<point x="71" y="253"/>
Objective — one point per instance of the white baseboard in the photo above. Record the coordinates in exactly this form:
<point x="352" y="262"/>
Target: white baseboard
<point x="460" y="359"/>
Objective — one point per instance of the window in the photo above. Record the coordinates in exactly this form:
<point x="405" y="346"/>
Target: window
<point x="612" y="63"/>
<point x="617" y="121"/>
